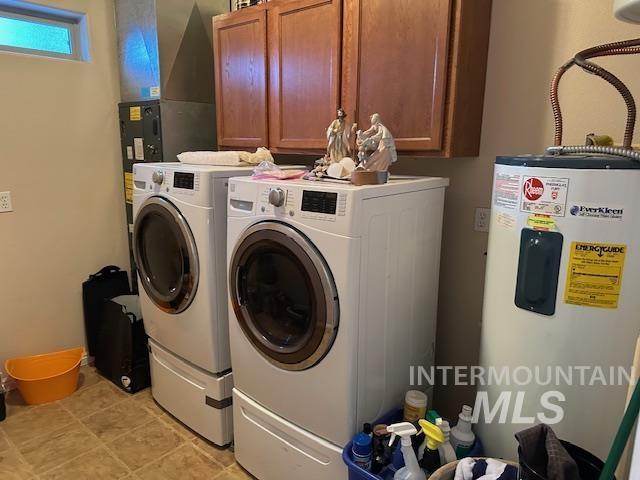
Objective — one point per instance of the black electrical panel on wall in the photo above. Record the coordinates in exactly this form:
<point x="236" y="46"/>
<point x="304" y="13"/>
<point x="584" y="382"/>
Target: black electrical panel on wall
<point x="140" y="141"/>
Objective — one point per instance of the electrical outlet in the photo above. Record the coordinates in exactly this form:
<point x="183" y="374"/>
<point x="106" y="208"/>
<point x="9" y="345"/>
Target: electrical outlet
<point x="5" y="202"/>
<point x="482" y="219"/>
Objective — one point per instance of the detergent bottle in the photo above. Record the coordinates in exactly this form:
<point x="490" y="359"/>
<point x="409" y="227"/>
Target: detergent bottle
<point x="411" y="470"/>
<point x="433" y="438"/>
<point x="462" y="436"/>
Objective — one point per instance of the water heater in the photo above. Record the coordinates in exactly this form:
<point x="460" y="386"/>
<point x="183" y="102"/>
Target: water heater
<point x="561" y="294"/>
<point x="627" y="10"/>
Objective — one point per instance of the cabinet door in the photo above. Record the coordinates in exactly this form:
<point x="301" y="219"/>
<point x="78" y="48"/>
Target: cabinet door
<point x="395" y="64"/>
<point x="304" y="72"/>
<point x="240" y="62"/>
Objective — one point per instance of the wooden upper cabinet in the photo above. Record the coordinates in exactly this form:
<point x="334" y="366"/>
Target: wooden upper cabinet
<point x="395" y="64"/>
<point x="240" y="59"/>
<point x="304" y="72"/>
<point x="284" y="67"/>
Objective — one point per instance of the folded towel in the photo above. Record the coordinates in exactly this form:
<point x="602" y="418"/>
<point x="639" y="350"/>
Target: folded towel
<point x="489" y="469"/>
<point x="226" y="158"/>
<point x="229" y="159"/>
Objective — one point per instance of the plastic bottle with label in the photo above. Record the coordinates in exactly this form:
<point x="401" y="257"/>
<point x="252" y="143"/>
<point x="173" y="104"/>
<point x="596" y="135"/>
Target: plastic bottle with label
<point x="361" y="449"/>
<point x="462" y="437"/>
<point x="415" y="405"/>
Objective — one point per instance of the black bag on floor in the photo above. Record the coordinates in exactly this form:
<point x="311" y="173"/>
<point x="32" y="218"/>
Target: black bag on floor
<point x="121" y="352"/>
<point x="107" y="283"/>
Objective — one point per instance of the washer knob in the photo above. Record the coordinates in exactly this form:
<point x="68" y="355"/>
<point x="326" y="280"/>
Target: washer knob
<point x="157" y="177"/>
<point x="276" y="197"/>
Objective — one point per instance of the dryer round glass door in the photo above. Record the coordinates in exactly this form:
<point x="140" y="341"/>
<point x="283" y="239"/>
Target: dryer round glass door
<point x="166" y="255"/>
<point x="283" y="295"/>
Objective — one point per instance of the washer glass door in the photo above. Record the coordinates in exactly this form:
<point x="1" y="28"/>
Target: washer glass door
<point x="166" y="255"/>
<point x="283" y="295"/>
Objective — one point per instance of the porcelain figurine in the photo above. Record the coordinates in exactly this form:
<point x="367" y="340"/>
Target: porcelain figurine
<point x="339" y="138"/>
<point x="378" y="139"/>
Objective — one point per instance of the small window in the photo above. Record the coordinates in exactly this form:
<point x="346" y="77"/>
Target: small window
<point x="36" y="29"/>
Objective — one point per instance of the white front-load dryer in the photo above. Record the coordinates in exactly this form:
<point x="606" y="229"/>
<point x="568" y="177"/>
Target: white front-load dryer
<point x="333" y="290"/>
<point x="179" y="244"/>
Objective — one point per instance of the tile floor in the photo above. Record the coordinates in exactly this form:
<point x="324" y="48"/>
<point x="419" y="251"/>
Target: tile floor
<point x="102" y="433"/>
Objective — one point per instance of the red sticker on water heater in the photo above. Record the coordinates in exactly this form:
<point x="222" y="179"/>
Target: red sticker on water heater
<point x="533" y="188"/>
<point x="544" y="195"/>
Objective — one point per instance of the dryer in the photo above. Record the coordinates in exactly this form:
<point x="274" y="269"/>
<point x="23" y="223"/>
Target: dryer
<point x="179" y="243"/>
<point x="333" y="292"/>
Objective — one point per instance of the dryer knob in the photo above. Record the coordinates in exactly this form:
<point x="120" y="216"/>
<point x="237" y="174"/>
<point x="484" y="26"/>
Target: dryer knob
<point x="276" y="197"/>
<point x="158" y="177"/>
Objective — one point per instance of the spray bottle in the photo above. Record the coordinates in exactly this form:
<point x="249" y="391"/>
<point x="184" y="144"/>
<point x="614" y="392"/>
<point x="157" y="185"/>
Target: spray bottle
<point x="447" y="453"/>
<point x="433" y="438"/>
<point x="411" y="470"/>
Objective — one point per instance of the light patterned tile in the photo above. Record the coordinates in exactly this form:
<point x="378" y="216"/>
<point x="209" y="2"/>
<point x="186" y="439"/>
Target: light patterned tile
<point x="222" y="455"/>
<point x="4" y="444"/>
<point x="91" y="399"/>
<point x="178" y="426"/>
<point x="15" y="403"/>
<point x="12" y="467"/>
<point x="117" y="420"/>
<point x="184" y="463"/>
<point x="35" y="422"/>
<point x="145" y="444"/>
<point x="238" y="473"/>
<point x="88" y="376"/>
<point x="94" y="465"/>
<point x="56" y="448"/>
<point x="145" y="399"/>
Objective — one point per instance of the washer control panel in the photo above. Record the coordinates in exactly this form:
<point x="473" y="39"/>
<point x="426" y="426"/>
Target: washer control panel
<point x="319" y="202"/>
<point x="322" y="205"/>
<point x="313" y="204"/>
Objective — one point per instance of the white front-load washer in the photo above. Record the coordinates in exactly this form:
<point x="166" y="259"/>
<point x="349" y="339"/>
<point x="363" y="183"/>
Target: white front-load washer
<point x="333" y="291"/>
<point x="179" y="243"/>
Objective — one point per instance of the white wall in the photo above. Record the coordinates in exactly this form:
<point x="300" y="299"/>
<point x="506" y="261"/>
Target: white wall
<point x="60" y="158"/>
<point x="529" y="41"/>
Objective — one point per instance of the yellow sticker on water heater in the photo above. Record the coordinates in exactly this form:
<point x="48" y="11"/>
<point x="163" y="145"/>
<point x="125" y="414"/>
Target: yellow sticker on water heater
<point x="538" y="221"/>
<point x="594" y="274"/>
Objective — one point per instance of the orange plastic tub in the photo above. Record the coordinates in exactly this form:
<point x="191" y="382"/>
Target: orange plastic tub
<point x="46" y="378"/>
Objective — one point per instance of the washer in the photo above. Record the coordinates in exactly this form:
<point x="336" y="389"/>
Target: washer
<point x="180" y="249"/>
<point x="333" y="291"/>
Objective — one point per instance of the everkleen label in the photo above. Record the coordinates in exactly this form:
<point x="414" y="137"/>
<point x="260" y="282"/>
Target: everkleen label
<point x="596" y="212"/>
<point x="594" y="275"/>
<point x="544" y="195"/>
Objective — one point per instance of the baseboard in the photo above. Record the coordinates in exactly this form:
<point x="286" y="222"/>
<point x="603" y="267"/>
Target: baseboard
<point x="8" y="383"/>
<point x="86" y="359"/>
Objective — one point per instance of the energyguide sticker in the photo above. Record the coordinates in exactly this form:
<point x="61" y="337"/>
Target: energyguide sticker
<point x="594" y="274"/>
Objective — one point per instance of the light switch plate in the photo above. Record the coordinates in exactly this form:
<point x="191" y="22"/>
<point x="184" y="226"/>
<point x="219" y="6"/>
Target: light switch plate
<point x="5" y="202"/>
<point x="482" y="219"/>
